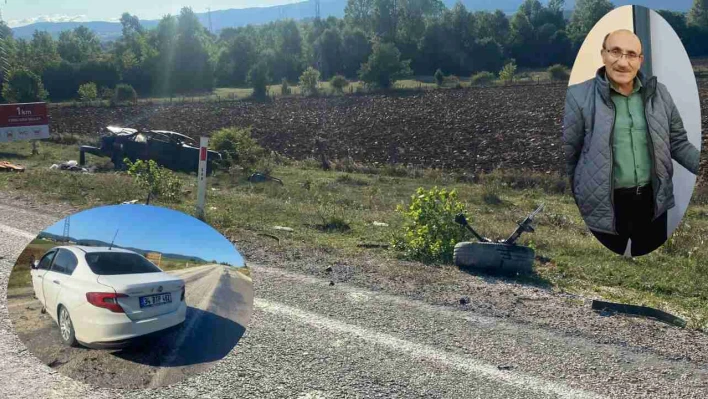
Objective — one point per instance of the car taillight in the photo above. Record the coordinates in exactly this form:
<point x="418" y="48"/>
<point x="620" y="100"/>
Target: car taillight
<point x="182" y="297"/>
<point x="106" y="300"/>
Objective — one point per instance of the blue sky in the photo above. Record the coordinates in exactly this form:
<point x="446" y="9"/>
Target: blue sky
<point x="24" y="12"/>
<point x="151" y="228"/>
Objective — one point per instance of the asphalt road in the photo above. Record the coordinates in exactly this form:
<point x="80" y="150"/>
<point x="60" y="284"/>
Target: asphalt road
<point x="219" y="304"/>
<point x="310" y="339"/>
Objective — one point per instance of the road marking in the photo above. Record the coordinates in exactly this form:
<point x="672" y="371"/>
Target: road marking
<point x="17" y="232"/>
<point x="426" y="352"/>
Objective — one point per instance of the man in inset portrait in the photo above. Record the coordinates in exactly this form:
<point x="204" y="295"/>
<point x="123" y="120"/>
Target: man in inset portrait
<point x="621" y="131"/>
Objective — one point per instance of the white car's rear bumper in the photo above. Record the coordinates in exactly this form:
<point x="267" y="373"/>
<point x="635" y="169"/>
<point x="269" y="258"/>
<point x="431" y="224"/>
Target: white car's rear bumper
<point x="97" y="326"/>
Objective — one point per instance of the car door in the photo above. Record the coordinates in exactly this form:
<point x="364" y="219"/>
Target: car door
<point x="56" y="279"/>
<point x="38" y="274"/>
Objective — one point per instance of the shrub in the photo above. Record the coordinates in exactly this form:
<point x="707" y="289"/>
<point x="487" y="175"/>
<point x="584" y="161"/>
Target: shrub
<point x="439" y="77"/>
<point x="157" y="181"/>
<point x="88" y="92"/>
<point x="338" y="83"/>
<point x="23" y="86"/>
<point x="482" y="78"/>
<point x="558" y="72"/>
<point x="507" y="73"/>
<point x="453" y="81"/>
<point x="430" y="232"/>
<point x="284" y="87"/>
<point x="107" y="93"/>
<point x="258" y="79"/>
<point x="384" y="66"/>
<point x="308" y="81"/>
<point x="124" y="93"/>
<point x="237" y="147"/>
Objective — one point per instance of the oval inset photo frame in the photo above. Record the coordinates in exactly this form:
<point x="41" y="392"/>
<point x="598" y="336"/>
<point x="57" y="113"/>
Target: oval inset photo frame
<point x="130" y="296"/>
<point x="632" y="150"/>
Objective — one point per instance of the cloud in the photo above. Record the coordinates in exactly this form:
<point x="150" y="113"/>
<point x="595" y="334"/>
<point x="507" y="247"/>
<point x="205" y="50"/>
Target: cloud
<point x="46" y="18"/>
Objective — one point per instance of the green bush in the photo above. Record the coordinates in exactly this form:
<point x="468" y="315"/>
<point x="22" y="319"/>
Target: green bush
<point x="158" y="181"/>
<point x="258" y="79"/>
<point x="439" y="77"/>
<point x="384" y="66"/>
<point x="430" y="232"/>
<point x="338" y="83"/>
<point x="482" y="78"/>
<point x="453" y="81"/>
<point x="23" y="86"/>
<point x="558" y="72"/>
<point x="88" y="92"/>
<point x="284" y="87"/>
<point x="124" y="93"/>
<point x="106" y="93"/>
<point x="237" y="147"/>
<point x="507" y="73"/>
<point x="308" y="81"/>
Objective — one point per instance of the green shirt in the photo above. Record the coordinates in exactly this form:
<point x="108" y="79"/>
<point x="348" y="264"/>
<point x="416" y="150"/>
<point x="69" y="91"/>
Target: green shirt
<point x="632" y="157"/>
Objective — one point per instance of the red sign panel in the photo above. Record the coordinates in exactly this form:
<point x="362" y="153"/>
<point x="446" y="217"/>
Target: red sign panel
<point x="30" y="114"/>
<point x="203" y="154"/>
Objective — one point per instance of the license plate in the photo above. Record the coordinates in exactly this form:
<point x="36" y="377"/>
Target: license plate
<point x="155" y="300"/>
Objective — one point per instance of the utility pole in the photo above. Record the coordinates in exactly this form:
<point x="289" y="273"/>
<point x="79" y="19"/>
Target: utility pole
<point x="317" y="10"/>
<point x="209" y="14"/>
<point x="67" y="225"/>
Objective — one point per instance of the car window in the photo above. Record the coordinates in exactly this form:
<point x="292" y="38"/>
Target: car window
<point x="64" y="262"/>
<point x="46" y="260"/>
<point x="112" y="263"/>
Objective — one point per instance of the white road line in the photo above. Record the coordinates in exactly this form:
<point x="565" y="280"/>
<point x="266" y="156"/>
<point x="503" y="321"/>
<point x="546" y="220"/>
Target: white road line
<point x="17" y="232"/>
<point x="426" y="352"/>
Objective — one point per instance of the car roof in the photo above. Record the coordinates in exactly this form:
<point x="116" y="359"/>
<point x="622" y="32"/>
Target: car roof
<point x="118" y="129"/>
<point x="88" y="249"/>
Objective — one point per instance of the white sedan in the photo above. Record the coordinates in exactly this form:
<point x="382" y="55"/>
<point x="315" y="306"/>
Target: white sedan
<point x="104" y="297"/>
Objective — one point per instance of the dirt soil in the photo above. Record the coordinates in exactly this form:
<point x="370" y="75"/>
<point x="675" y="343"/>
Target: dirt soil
<point x="473" y="128"/>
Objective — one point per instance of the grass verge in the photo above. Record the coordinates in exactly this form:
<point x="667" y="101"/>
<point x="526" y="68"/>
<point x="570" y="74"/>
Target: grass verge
<point x="673" y="278"/>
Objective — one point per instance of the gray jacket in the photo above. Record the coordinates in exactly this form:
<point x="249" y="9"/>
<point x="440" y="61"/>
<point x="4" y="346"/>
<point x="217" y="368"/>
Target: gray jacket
<point x="587" y="142"/>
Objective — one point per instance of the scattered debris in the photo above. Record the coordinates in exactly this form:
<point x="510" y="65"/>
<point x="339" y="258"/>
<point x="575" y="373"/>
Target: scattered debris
<point x="372" y="245"/>
<point x="505" y="367"/>
<point x="543" y="259"/>
<point x="270" y="236"/>
<point x="380" y="224"/>
<point x="283" y="228"/>
<point x="636" y="310"/>
<point x="130" y="202"/>
<point x="464" y="300"/>
<point x="6" y="166"/>
<point x="329" y="269"/>
<point x="72" y="166"/>
<point x="259" y="177"/>
<point x="331" y="283"/>
<point x="212" y="208"/>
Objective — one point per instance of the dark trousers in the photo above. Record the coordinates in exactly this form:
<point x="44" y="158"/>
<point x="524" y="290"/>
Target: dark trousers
<point x="633" y="219"/>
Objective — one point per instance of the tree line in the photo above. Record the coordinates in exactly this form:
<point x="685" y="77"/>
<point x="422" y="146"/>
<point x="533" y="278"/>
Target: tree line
<point x="377" y="41"/>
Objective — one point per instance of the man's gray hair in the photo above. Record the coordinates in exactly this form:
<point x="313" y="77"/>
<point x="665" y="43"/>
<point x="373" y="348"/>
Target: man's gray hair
<point x="607" y="36"/>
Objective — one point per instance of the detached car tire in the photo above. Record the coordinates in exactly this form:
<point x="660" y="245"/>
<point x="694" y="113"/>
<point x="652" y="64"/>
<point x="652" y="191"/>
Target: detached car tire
<point x="494" y="257"/>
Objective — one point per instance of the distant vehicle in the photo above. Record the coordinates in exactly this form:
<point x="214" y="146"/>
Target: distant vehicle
<point x="169" y="149"/>
<point x="105" y="297"/>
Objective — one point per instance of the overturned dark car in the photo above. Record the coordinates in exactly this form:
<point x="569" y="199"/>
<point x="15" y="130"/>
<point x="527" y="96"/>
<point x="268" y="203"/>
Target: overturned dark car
<point x="169" y="149"/>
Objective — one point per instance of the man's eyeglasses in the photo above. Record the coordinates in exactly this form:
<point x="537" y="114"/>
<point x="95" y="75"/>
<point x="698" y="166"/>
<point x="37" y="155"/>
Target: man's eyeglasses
<point x="617" y="54"/>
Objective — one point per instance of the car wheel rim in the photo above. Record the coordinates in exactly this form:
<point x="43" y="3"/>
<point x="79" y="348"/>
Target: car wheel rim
<point x="65" y="325"/>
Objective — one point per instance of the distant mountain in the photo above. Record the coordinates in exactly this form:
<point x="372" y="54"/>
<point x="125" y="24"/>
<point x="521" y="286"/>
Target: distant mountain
<point x="99" y="243"/>
<point x="221" y="19"/>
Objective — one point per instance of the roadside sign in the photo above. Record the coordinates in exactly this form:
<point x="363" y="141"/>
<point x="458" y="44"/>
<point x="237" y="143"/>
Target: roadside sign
<point x="201" y="177"/>
<point x="28" y="121"/>
<point x="154" y="257"/>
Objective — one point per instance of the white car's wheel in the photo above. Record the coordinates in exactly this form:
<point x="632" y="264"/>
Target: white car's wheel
<point x="66" y="327"/>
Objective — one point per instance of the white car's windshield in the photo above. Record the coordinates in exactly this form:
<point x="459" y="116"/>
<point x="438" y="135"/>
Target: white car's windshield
<point x="112" y="263"/>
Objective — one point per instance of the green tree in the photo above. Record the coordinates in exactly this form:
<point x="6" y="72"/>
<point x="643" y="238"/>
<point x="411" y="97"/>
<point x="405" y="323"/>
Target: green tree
<point x="356" y="49"/>
<point x="193" y="67"/>
<point x="439" y="77"/>
<point x="328" y="50"/>
<point x="338" y="83"/>
<point x="88" y="92"/>
<point x="236" y="59"/>
<point x="308" y="81"/>
<point x="360" y="13"/>
<point x="258" y="79"/>
<point x="384" y="66"/>
<point x="585" y="14"/>
<point x="698" y="15"/>
<point x="43" y="52"/>
<point x="78" y="45"/>
<point x="23" y="86"/>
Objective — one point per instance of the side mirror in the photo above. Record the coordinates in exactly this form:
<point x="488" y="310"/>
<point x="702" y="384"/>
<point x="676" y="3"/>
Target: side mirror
<point x="35" y="264"/>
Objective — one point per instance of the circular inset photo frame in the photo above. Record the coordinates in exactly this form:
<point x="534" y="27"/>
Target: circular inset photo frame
<point x="130" y="296"/>
<point x="632" y="130"/>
